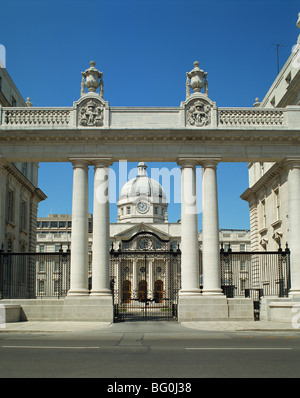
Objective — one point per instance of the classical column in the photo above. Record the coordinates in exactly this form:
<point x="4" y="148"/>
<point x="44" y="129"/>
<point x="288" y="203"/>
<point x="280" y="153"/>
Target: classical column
<point x="189" y="229"/>
<point x="294" y="224"/>
<point x="79" y="239"/>
<point x="151" y="279"/>
<point x="210" y="230"/>
<point x="100" y="268"/>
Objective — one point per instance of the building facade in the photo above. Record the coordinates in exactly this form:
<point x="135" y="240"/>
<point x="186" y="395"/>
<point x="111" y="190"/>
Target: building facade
<point x="269" y="194"/>
<point x="19" y="192"/>
<point x="195" y="134"/>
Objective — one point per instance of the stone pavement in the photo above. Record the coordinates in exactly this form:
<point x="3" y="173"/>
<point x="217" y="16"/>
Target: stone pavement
<point x="221" y="326"/>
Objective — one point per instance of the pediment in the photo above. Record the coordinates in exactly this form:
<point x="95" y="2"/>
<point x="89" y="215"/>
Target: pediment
<point x="142" y="227"/>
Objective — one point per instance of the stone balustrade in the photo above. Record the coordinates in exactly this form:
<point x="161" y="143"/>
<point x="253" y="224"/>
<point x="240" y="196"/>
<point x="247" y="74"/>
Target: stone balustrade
<point x="35" y="117"/>
<point x="67" y="117"/>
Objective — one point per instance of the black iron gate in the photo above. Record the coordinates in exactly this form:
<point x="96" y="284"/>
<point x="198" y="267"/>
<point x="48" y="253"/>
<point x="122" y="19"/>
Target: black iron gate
<point x="145" y="278"/>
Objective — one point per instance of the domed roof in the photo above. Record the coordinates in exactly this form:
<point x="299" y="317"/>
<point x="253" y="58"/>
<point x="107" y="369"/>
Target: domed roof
<point x="142" y="187"/>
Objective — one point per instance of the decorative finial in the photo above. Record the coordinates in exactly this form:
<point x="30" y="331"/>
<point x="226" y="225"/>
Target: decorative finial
<point x="28" y="103"/>
<point x="256" y="103"/>
<point x="198" y="79"/>
<point x="93" y="80"/>
<point x="142" y="169"/>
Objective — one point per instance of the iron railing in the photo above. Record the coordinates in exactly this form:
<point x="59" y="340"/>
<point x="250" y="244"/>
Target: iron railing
<point x="38" y="275"/>
<point x="266" y="273"/>
<point x="34" y="275"/>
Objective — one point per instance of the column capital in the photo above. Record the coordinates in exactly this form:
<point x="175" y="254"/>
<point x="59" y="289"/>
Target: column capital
<point x="292" y="162"/>
<point x="188" y="162"/>
<point x="77" y="162"/>
<point x="102" y="162"/>
<point x="210" y="162"/>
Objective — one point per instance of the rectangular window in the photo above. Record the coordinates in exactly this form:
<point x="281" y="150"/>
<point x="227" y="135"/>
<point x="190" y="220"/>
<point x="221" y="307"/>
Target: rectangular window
<point x="10" y="206"/>
<point x="128" y="209"/>
<point x="277" y="204"/>
<point x="42" y="248"/>
<point x="53" y="224"/>
<point x="45" y="224"/>
<point x="42" y="266"/>
<point x="242" y="247"/>
<point x="13" y="101"/>
<point x="264" y="216"/>
<point x="41" y="287"/>
<point x="62" y="224"/>
<point x="23" y="215"/>
<point x="242" y="265"/>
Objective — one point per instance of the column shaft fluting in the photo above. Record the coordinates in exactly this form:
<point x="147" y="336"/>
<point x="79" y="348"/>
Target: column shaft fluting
<point x="210" y="230"/>
<point x="100" y="267"/>
<point x="79" y="239"/>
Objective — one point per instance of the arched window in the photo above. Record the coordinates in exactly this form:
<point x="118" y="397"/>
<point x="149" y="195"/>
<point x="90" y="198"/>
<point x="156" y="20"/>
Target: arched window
<point x="142" y="291"/>
<point x="158" y="291"/>
<point x="126" y="292"/>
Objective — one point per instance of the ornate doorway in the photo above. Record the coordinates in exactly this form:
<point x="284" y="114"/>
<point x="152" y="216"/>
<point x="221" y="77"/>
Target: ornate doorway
<point x="145" y="278"/>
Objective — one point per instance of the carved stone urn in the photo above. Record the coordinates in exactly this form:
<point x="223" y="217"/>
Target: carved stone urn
<point x="92" y="76"/>
<point x="196" y="77"/>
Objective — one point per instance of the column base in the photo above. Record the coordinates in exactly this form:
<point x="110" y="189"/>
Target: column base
<point x="190" y="292"/>
<point x="104" y="292"/>
<point x="294" y="294"/>
<point x="92" y="309"/>
<point x="215" y="292"/>
<point x="79" y="292"/>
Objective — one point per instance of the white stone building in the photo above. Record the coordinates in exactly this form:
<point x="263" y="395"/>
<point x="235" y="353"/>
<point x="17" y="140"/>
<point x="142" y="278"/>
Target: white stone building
<point x="19" y="192"/>
<point x="197" y="133"/>
<point x="268" y="194"/>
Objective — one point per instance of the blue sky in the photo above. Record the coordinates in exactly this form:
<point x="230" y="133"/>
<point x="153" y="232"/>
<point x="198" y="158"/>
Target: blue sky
<point x="144" y="49"/>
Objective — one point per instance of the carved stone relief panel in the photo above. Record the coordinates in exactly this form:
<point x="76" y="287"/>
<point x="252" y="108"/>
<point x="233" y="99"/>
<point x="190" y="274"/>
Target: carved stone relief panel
<point x="91" y="113"/>
<point x="198" y="113"/>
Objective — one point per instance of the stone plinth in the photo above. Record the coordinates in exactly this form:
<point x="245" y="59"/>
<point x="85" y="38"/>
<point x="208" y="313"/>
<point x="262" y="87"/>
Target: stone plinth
<point x="97" y="308"/>
<point x="285" y="309"/>
<point x="201" y="308"/>
<point x="240" y="309"/>
<point x="214" y="308"/>
<point x="9" y="313"/>
<point x="85" y="308"/>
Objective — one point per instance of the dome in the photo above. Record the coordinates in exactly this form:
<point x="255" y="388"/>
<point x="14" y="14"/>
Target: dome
<point x="142" y="187"/>
<point x="142" y="199"/>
